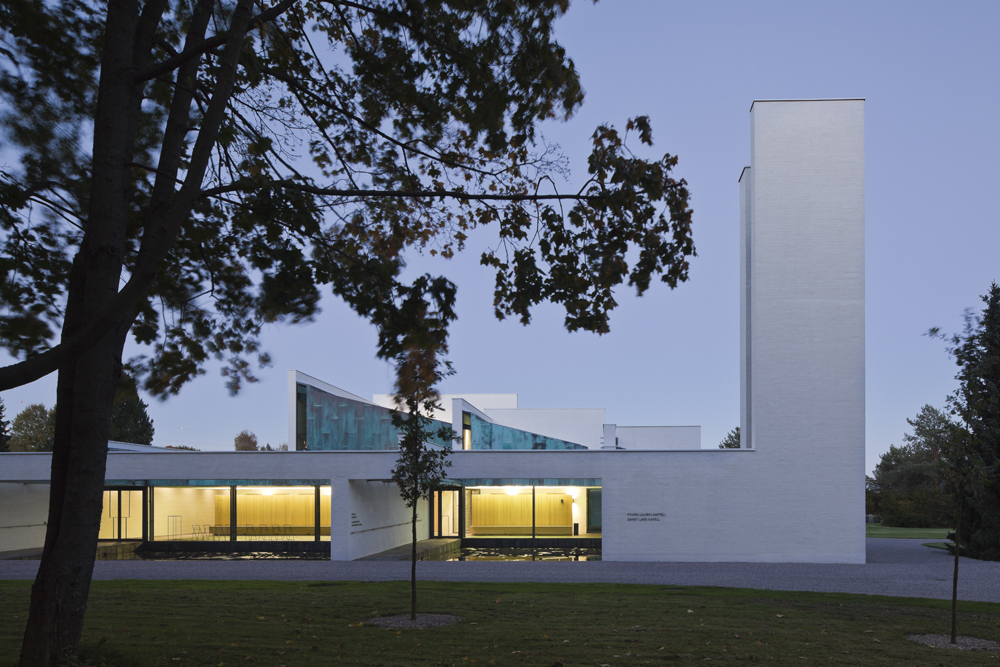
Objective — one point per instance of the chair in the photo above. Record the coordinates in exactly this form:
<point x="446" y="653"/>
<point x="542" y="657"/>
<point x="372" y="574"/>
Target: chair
<point x="265" y="532"/>
<point x="196" y="532"/>
<point x="288" y="531"/>
<point x="276" y="531"/>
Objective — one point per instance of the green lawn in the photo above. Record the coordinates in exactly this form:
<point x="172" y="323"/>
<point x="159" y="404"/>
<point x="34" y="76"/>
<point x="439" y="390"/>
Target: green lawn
<point x="297" y="623"/>
<point x="878" y="530"/>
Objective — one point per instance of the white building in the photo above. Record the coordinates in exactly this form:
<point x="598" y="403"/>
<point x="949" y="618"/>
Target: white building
<point x="794" y="491"/>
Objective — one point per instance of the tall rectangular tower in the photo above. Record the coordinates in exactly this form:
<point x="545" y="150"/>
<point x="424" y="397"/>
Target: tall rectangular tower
<point x="802" y="268"/>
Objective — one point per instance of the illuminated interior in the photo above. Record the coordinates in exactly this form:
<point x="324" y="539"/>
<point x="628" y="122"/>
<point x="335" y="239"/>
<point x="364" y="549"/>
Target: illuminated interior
<point x="517" y="512"/>
<point x="206" y="513"/>
<point x="121" y="515"/>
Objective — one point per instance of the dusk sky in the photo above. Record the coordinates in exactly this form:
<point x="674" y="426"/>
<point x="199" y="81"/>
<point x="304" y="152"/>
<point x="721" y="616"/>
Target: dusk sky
<point x="930" y="74"/>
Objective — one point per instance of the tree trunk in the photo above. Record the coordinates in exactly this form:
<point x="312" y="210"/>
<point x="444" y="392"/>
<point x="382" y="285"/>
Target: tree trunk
<point x="413" y="566"/>
<point x="59" y="594"/>
<point x="954" y="578"/>
<point x="87" y="384"/>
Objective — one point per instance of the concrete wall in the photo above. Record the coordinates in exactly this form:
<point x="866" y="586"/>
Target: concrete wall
<point x="378" y="518"/>
<point x="707" y="505"/>
<point x="658" y="437"/>
<point x="24" y="511"/>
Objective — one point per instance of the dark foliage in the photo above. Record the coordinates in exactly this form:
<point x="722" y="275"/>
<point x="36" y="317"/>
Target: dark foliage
<point x="977" y="403"/>
<point x="185" y="173"/>
<point x="732" y="440"/>
<point x="907" y="486"/>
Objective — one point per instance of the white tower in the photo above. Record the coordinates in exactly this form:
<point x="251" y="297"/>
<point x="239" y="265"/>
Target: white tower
<point x="802" y="297"/>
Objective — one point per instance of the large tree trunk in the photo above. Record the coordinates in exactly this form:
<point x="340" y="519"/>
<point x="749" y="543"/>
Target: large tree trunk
<point x="87" y="385"/>
<point x="59" y="594"/>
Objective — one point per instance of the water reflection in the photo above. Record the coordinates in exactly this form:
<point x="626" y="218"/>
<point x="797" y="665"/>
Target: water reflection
<point x="507" y="553"/>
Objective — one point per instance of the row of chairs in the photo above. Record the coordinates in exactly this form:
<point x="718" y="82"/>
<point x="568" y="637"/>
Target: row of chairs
<point x="261" y="532"/>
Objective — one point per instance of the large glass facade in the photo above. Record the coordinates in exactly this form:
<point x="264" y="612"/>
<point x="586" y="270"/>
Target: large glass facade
<point x="528" y="511"/>
<point x="239" y="513"/>
<point x="485" y="435"/>
<point x="325" y="422"/>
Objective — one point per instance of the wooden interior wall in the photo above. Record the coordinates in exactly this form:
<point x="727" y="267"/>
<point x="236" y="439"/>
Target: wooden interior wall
<point x="553" y="509"/>
<point x="255" y="509"/>
<point x="500" y="509"/>
<point x="496" y="509"/>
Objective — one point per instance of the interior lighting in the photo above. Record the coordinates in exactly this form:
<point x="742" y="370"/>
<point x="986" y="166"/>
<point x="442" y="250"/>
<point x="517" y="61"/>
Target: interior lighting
<point x="512" y="490"/>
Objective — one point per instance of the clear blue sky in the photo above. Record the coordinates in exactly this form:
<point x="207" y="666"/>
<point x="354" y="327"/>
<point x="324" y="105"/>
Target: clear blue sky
<point x="931" y="75"/>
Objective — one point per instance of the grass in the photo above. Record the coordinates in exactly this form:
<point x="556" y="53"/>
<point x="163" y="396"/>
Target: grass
<point x="300" y="623"/>
<point x="878" y="530"/>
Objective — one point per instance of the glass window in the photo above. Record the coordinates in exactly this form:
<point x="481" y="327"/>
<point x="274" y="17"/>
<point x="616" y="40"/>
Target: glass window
<point x="190" y="513"/>
<point x="525" y="511"/>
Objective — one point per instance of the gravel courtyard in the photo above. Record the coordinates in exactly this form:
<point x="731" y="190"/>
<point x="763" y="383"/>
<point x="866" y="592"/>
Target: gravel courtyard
<point x="895" y="567"/>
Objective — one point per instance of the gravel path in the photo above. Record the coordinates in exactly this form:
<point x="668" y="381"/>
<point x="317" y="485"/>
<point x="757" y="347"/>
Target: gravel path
<point x="895" y="567"/>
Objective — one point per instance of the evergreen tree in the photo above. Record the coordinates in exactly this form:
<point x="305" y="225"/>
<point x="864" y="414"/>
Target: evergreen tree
<point x="977" y="403"/>
<point x="129" y="420"/>
<point x="732" y="440"/>
<point x="131" y="423"/>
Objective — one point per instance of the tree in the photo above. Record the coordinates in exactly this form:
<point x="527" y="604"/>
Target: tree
<point x="732" y="440"/>
<point x="4" y="428"/>
<point x="965" y="474"/>
<point x="420" y="467"/>
<point x="158" y="194"/>
<point x="129" y="420"/>
<point x="970" y="462"/>
<point x="33" y="429"/>
<point x="283" y="447"/>
<point x="245" y="441"/>
<point x="976" y="403"/>
<point x="907" y="484"/>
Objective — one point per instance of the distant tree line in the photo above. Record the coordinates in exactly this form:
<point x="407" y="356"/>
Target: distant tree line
<point x="907" y="486"/>
<point x="34" y="427"/>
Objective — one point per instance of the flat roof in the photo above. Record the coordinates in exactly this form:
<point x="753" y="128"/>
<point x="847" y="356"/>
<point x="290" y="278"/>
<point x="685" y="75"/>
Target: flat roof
<point x="813" y="99"/>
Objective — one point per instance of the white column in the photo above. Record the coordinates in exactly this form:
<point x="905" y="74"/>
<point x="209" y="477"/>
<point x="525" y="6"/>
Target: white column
<point x="340" y="519"/>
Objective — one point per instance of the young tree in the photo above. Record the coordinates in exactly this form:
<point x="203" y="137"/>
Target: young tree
<point x="33" y="429"/>
<point x="245" y="441"/>
<point x="4" y="428"/>
<point x="965" y="474"/>
<point x="732" y="440"/>
<point x="159" y="194"/>
<point x="420" y="467"/>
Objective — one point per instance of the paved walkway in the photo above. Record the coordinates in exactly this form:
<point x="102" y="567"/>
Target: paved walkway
<point x="895" y="567"/>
